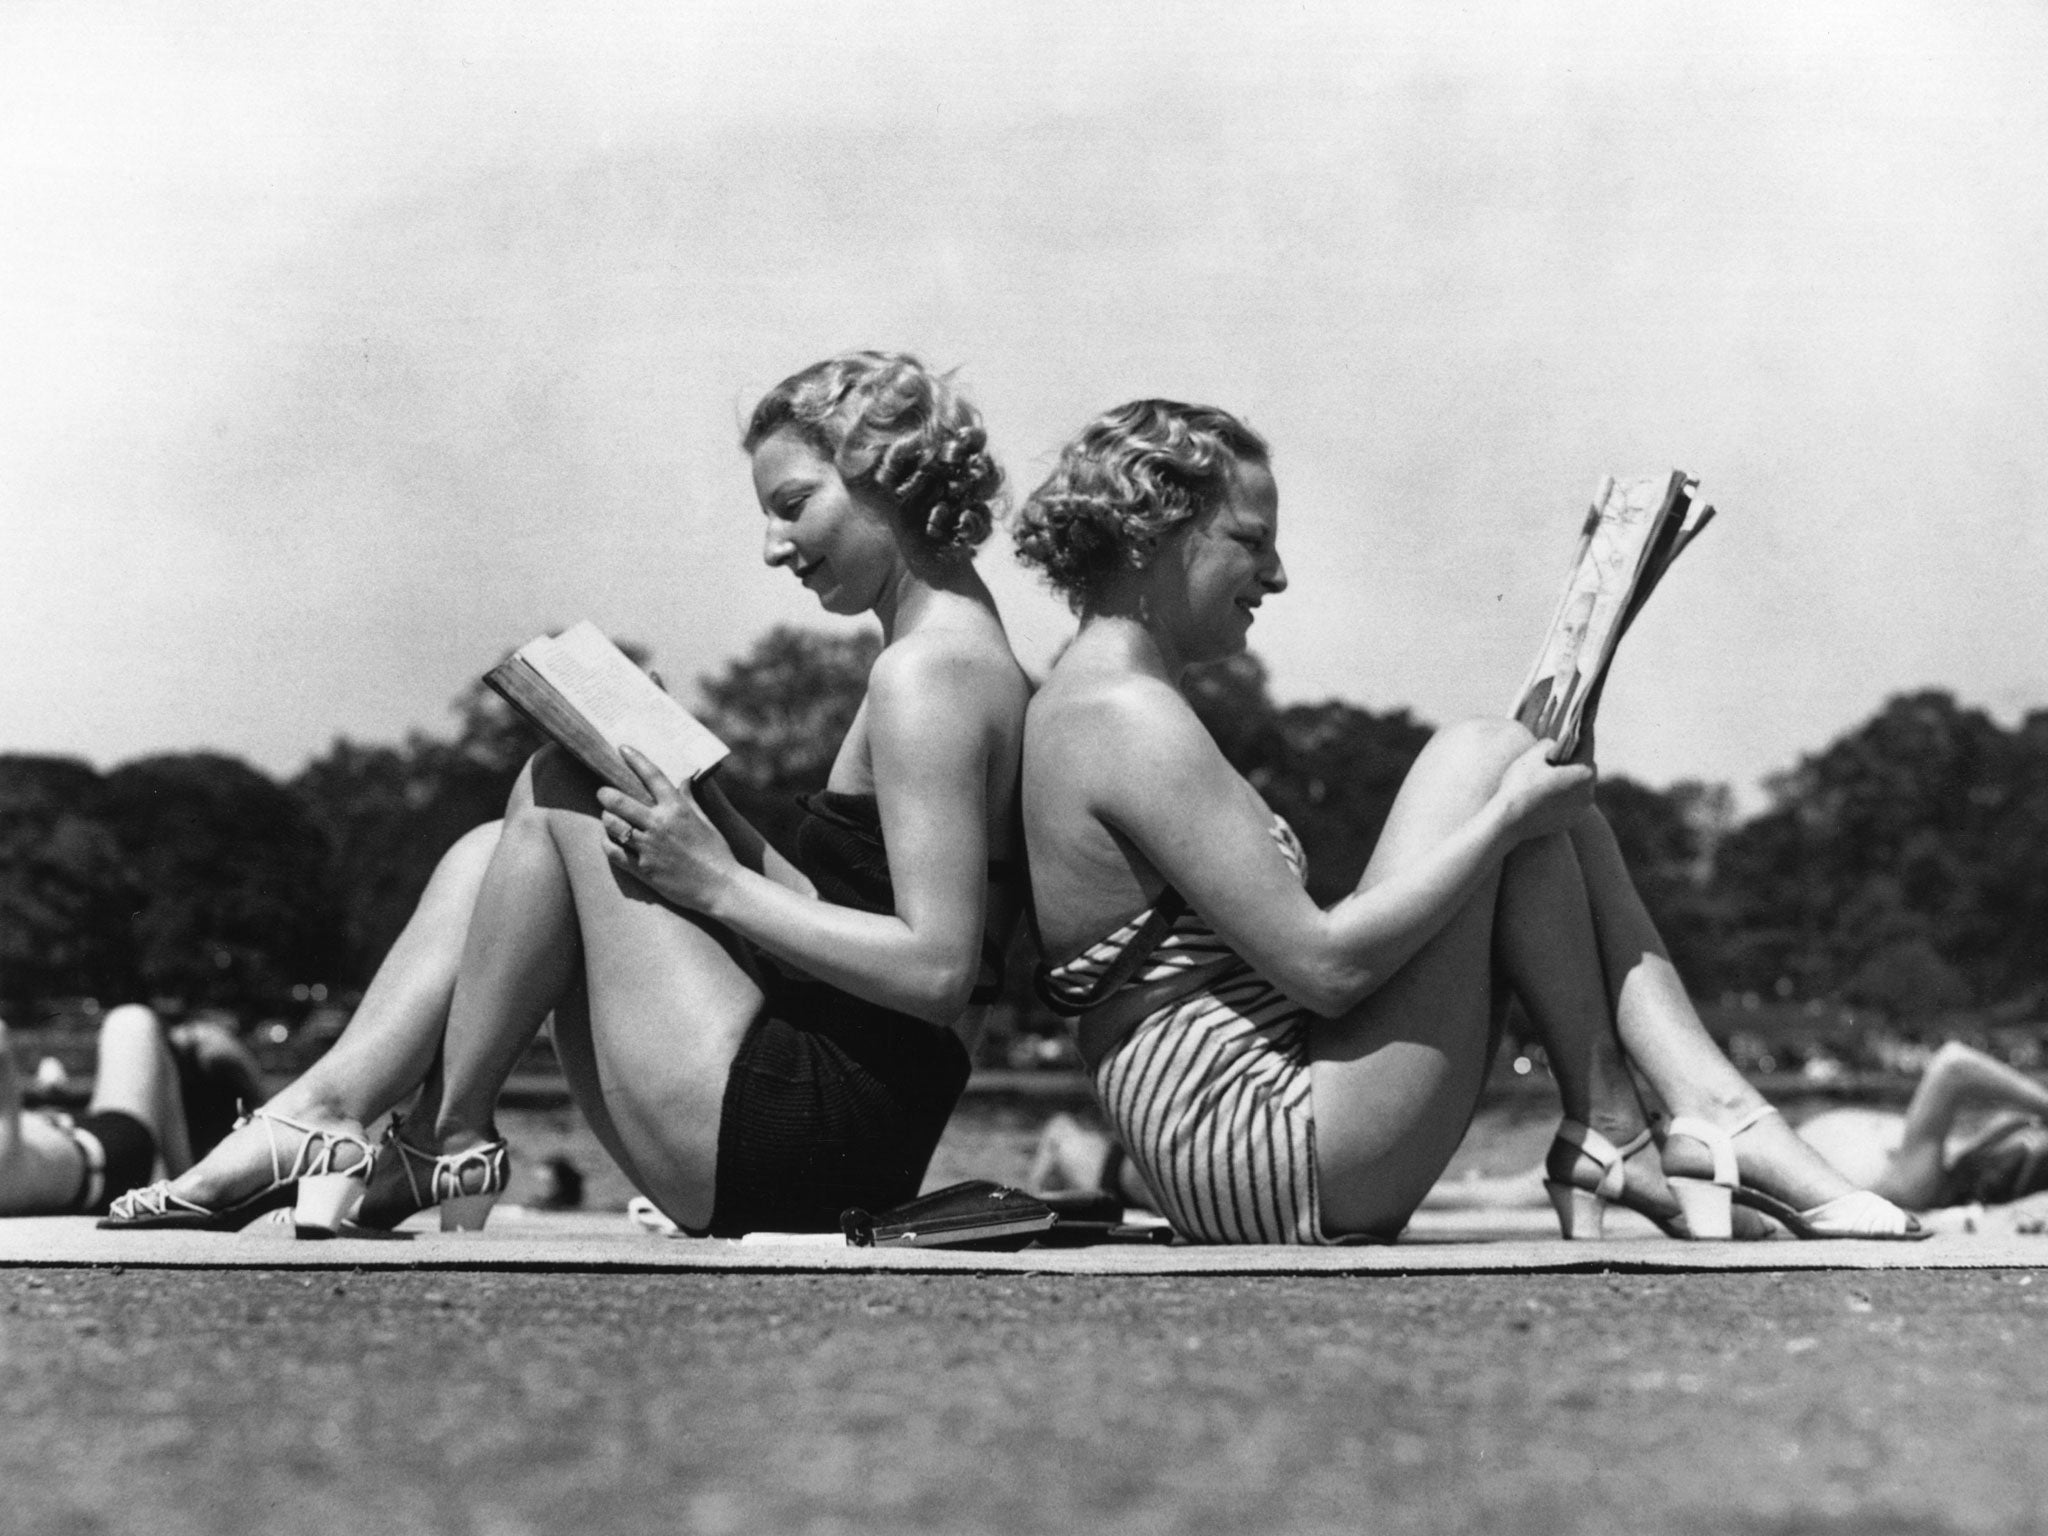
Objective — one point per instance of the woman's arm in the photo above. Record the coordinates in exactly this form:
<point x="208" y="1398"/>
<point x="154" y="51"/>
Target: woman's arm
<point x="930" y="732"/>
<point x="1204" y="829"/>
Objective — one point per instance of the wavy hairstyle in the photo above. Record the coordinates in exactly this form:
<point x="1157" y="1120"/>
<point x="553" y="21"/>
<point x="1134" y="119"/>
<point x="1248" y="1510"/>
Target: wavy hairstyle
<point x="895" y="430"/>
<point x="1133" y="475"/>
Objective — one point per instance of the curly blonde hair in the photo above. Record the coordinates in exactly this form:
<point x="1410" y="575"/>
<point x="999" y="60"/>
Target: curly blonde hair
<point x="1133" y="475"/>
<point x="896" y="430"/>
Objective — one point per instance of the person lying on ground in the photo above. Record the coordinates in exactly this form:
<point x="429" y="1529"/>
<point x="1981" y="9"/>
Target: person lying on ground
<point x="149" y="1087"/>
<point x="1923" y="1159"/>
<point x="1278" y="1072"/>
<point x="759" y="1042"/>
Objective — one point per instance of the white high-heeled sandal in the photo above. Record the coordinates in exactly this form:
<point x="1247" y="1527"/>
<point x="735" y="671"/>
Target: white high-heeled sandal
<point x="1582" y="1212"/>
<point x="1708" y="1203"/>
<point x="322" y="1180"/>
<point x="465" y="1185"/>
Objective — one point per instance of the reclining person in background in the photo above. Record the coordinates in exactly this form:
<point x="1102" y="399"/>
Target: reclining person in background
<point x="1917" y="1160"/>
<point x="158" y="1098"/>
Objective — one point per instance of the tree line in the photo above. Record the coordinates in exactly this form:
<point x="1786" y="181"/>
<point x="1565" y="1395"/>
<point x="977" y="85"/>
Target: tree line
<point x="1902" y="868"/>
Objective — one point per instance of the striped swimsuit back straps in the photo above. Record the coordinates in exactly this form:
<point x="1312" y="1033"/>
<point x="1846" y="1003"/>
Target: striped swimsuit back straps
<point x="1210" y="1094"/>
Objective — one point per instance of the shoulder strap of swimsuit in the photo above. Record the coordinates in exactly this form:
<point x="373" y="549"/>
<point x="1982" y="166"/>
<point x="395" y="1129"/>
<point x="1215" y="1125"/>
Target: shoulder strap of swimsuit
<point x="1165" y="913"/>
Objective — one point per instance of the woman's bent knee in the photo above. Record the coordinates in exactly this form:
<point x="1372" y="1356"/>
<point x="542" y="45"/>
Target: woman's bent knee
<point x="128" y="1018"/>
<point x="472" y="851"/>
<point x="1466" y="759"/>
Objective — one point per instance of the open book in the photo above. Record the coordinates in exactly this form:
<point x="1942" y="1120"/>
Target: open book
<point x="1633" y="532"/>
<point x="585" y="693"/>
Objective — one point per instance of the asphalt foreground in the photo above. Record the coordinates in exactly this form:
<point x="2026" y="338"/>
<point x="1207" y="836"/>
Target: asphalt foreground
<point x="281" y="1401"/>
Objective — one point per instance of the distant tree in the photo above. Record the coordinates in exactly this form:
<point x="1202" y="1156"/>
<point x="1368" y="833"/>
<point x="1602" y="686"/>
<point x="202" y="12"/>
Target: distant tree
<point x="65" y="892"/>
<point x="2012" y="872"/>
<point x="1919" y="835"/>
<point x="1907" y="979"/>
<point x="390" y="813"/>
<point x="237" y="902"/>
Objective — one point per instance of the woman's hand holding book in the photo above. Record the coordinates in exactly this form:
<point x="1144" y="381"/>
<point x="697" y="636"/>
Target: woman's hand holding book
<point x="1539" y="797"/>
<point x="666" y="842"/>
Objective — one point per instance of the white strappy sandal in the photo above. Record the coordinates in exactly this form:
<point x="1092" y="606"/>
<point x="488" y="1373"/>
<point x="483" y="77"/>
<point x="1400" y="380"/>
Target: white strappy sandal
<point x="1581" y="1212"/>
<point x="465" y="1185"/>
<point x="1707" y="1203"/>
<point x="322" y="1180"/>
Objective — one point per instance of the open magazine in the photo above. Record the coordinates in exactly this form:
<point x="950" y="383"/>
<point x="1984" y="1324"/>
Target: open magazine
<point x="1633" y="532"/>
<point x="587" y="694"/>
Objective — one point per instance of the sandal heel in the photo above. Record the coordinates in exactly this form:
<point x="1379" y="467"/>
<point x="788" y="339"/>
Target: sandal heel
<point x="325" y="1201"/>
<point x="1706" y="1206"/>
<point x="467" y="1213"/>
<point x="1581" y="1213"/>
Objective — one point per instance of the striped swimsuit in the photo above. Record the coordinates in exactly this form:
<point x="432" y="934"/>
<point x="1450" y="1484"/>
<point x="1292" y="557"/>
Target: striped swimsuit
<point x="1210" y="1094"/>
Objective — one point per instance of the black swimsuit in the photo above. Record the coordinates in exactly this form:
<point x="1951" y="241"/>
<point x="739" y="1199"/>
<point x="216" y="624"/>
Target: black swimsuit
<point x="833" y="1101"/>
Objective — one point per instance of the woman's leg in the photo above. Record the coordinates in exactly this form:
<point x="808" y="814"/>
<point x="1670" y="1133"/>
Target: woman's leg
<point x="1957" y="1076"/>
<point x="1662" y="1034"/>
<point x="520" y="955"/>
<point x="1395" y="1081"/>
<point x="135" y="1074"/>
<point x="390" y="1043"/>
<point x="1545" y="942"/>
<point x="520" y="959"/>
<point x="578" y="1058"/>
<point x="667" y="1002"/>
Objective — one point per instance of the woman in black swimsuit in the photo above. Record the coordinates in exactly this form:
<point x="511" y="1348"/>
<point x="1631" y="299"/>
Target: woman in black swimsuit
<point x="760" y="1042"/>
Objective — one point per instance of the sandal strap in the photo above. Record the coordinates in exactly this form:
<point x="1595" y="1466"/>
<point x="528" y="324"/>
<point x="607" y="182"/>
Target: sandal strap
<point x="1609" y="1157"/>
<point x="1860" y="1213"/>
<point x="153" y="1201"/>
<point x="446" y="1173"/>
<point x="410" y="1156"/>
<point x="315" y="1155"/>
<point x="1720" y="1144"/>
<point x="452" y="1168"/>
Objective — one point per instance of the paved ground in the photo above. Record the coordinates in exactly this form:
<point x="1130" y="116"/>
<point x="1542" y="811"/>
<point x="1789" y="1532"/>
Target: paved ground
<point x="275" y="1400"/>
<point x="211" y="1401"/>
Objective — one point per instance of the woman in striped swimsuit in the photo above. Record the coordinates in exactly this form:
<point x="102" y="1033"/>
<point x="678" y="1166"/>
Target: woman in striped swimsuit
<point x="1280" y="1072"/>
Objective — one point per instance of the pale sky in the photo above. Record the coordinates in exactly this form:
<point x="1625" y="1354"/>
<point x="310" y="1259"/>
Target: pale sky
<point x="344" y="346"/>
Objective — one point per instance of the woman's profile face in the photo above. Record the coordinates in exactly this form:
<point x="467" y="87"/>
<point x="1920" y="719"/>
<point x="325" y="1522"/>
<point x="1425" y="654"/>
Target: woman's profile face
<point x="1226" y="563"/>
<point x="836" y="541"/>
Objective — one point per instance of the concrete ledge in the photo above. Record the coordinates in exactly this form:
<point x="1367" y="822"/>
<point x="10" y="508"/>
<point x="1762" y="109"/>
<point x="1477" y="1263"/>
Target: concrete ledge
<point x="1490" y="1242"/>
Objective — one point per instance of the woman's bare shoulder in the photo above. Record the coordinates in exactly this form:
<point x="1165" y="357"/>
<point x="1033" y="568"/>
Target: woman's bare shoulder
<point x="949" y="656"/>
<point x="1116" y="708"/>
